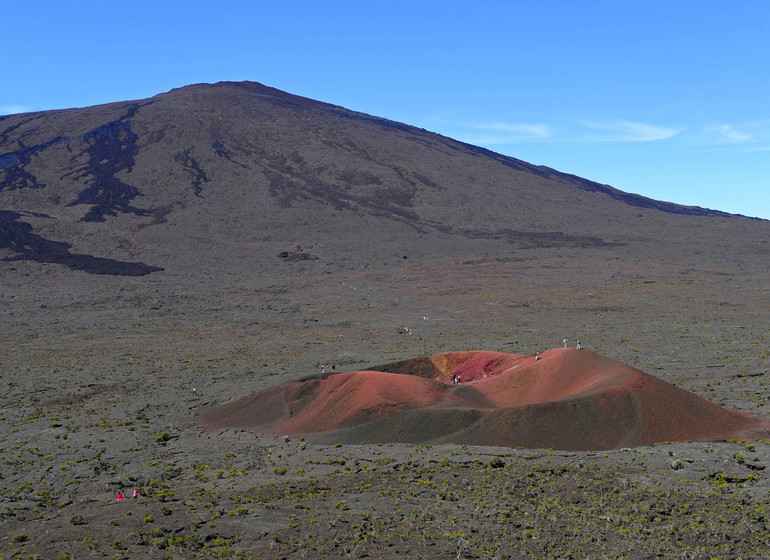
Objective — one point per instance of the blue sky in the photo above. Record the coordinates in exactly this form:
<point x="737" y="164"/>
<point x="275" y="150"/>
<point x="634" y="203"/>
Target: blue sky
<point x="668" y="99"/>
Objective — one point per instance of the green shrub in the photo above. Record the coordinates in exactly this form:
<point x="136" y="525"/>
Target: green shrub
<point x="162" y="438"/>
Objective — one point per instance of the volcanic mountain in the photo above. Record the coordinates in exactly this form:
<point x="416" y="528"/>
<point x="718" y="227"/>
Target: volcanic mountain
<point x="235" y="207"/>
<point x="234" y="238"/>
<point x="194" y="178"/>
<point x="565" y="398"/>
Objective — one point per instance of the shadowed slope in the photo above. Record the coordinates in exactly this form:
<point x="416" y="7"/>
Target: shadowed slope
<point x="568" y="399"/>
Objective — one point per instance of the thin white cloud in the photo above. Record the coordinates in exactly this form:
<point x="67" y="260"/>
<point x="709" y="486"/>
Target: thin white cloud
<point x="494" y="133"/>
<point x="627" y="131"/>
<point x="13" y="109"/>
<point x="748" y="134"/>
<point x="536" y="130"/>
<point x="490" y="133"/>
<point x="729" y="133"/>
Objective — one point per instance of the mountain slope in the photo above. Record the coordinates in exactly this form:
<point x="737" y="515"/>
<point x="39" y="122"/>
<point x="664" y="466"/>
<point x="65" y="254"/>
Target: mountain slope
<point x="113" y="188"/>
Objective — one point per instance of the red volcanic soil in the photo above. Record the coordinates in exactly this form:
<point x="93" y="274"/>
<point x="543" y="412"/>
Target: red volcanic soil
<point x="565" y="399"/>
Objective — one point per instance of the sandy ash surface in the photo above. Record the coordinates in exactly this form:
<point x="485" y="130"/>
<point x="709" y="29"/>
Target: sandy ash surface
<point x="98" y="398"/>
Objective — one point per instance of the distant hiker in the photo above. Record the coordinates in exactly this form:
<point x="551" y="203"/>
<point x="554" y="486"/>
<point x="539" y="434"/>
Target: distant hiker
<point x="323" y="369"/>
<point x="537" y="355"/>
<point x="565" y="342"/>
<point x="136" y="493"/>
<point x="578" y="345"/>
<point x="119" y="495"/>
<point x="334" y="368"/>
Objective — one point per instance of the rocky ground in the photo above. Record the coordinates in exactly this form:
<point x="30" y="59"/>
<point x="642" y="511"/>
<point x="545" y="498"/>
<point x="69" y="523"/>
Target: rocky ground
<point x="98" y="399"/>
